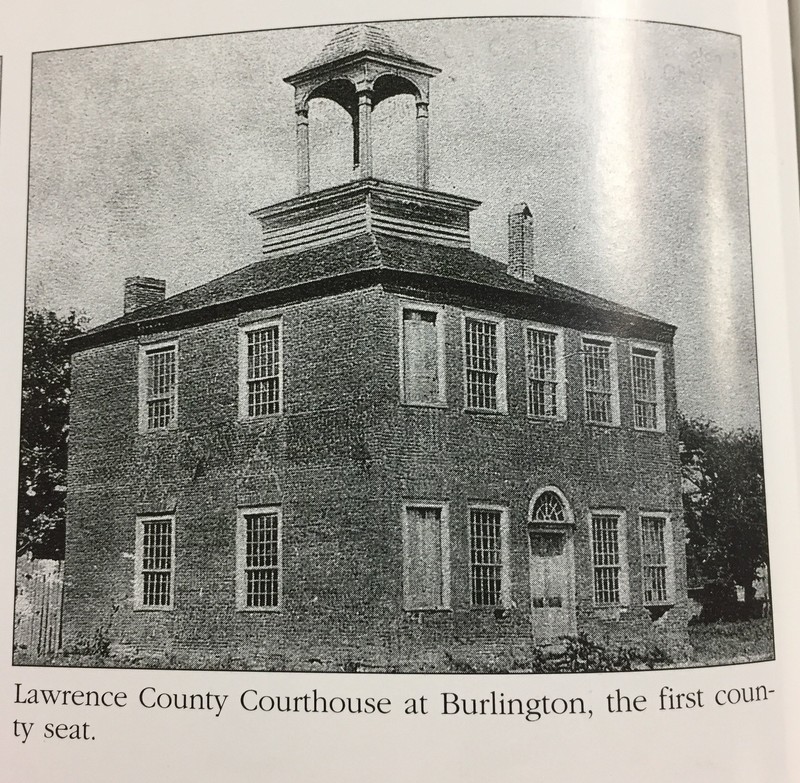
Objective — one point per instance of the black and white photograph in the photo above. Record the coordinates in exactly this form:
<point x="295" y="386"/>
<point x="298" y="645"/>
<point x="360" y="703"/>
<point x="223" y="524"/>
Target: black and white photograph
<point x="399" y="347"/>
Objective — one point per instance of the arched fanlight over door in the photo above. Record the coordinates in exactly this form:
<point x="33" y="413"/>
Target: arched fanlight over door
<point x="548" y="508"/>
<point x="552" y="576"/>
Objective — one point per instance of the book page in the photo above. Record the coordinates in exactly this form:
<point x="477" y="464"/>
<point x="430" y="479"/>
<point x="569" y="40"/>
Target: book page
<point x="424" y="386"/>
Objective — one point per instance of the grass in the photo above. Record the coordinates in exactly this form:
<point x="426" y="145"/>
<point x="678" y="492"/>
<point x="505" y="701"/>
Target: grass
<point x="731" y="642"/>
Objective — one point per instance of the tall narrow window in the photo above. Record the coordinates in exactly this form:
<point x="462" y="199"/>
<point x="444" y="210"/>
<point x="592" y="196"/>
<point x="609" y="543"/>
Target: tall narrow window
<point x="545" y="362"/>
<point x="154" y="563"/>
<point x="648" y="388"/>
<point x="423" y="356"/>
<point x="600" y="382"/>
<point x="655" y="560"/>
<point x="488" y="558"/>
<point x="484" y="364"/>
<point x="158" y="385"/>
<point x="608" y="558"/>
<point x="259" y="558"/>
<point x="260" y="371"/>
<point x="426" y="548"/>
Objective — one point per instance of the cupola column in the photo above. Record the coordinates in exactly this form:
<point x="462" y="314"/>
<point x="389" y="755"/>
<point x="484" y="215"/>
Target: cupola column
<point x="422" y="145"/>
<point x="364" y="135"/>
<point x="303" y="155"/>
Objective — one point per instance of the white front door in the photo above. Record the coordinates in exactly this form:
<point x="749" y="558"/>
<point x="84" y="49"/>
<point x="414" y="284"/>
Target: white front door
<point x="552" y="592"/>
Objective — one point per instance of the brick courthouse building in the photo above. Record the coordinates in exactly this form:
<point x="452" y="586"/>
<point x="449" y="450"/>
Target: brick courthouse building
<point x="373" y="446"/>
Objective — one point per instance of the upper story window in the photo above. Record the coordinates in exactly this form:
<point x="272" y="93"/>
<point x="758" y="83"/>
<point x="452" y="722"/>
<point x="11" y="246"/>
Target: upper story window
<point x="426" y="550"/>
<point x="544" y="352"/>
<point x="260" y="369"/>
<point x="601" y="395"/>
<point x="158" y="386"/>
<point x="484" y="363"/>
<point x="422" y="348"/>
<point x="647" y="369"/>
<point x="155" y="563"/>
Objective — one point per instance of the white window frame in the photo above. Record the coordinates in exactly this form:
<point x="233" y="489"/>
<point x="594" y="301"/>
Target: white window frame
<point x="138" y="576"/>
<point x="499" y="322"/>
<point x="669" y="554"/>
<point x="561" y="372"/>
<point x="505" y="555"/>
<point x="241" y="557"/>
<point x="622" y="543"/>
<point x="661" y="417"/>
<point x="244" y="331"/>
<point x="439" y="310"/>
<point x="444" y="533"/>
<point x="144" y="350"/>
<point x="614" y="367"/>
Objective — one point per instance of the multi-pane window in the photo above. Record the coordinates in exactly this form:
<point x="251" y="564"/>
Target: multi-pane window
<point x="263" y="371"/>
<point x="646" y="369"/>
<point x="423" y="356"/>
<point x="486" y="556"/>
<point x="484" y="364"/>
<point x="655" y="566"/>
<point x="259" y="557"/>
<point x="160" y="387"/>
<point x="544" y="373"/>
<point x="260" y="370"/>
<point x="425" y="546"/>
<point x="607" y="558"/>
<point x="155" y="562"/>
<point x="599" y="381"/>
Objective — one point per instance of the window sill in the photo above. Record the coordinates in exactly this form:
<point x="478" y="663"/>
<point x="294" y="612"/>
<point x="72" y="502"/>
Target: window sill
<point x="485" y="412"/>
<point x="259" y="609"/>
<point x="533" y="419"/>
<point x="260" y="419"/>
<point x="428" y="610"/>
<point x="434" y="405"/>
<point x="153" y="608"/>
<point x="606" y="425"/>
<point x="652" y="432"/>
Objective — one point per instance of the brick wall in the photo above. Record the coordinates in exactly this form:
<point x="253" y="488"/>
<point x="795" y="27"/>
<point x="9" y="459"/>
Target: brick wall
<point x="341" y="461"/>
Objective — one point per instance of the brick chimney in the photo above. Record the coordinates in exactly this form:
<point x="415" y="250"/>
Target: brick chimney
<point x="520" y="242"/>
<point x="142" y="292"/>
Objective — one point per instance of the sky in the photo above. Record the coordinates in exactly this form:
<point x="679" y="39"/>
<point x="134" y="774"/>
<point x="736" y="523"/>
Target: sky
<point x="626" y="139"/>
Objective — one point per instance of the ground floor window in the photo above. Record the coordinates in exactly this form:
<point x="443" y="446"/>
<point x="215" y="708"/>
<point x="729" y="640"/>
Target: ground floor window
<point x="258" y="558"/>
<point x="656" y="559"/>
<point x="488" y="529"/>
<point x="609" y="558"/>
<point x="426" y="572"/>
<point x="155" y="562"/>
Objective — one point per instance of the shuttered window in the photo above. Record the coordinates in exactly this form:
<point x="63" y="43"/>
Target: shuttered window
<point x="422" y="347"/>
<point x="426" y="571"/>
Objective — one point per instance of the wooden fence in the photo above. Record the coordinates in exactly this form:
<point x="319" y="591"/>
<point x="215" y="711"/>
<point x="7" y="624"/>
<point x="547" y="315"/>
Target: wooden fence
<point x="37" y="609"/>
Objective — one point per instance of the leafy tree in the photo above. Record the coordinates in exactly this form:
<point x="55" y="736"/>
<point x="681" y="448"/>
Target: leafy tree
<point x="724" y="505"/>
<point x="44" y="432"/>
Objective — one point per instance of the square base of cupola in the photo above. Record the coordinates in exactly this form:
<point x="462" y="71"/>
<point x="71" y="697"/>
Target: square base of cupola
<point x="365" y="206"/>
